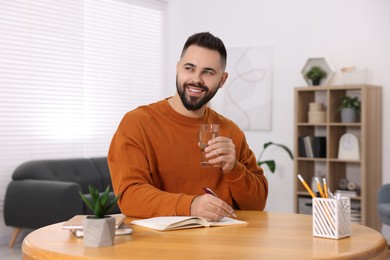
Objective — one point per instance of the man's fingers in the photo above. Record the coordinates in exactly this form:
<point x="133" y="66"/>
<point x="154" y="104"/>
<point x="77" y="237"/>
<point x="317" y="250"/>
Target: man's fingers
<point x="210" y="207"/>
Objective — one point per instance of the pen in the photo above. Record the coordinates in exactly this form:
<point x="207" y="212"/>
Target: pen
<point x="307" y="187"/>
<point x="320" y="188"/>
<point x="325" y="188"/>
<point x="211" y="192"/>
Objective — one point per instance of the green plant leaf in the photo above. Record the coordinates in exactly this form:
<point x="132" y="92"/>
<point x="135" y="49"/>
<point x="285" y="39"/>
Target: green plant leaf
<point x="285" y="148"/>
<point x="316" y="73"/>
<point x="104" y="196"/>
<point x="94" y="193"/>
<point x="99" y="203"/>
<point x="113" y="203"/>
<point x="270" y="163"/>
<point x="99" y="212"/>
<point x="87" y="201"/>
<point x="350" y="102"/>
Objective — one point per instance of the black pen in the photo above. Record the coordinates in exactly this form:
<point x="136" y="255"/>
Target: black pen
<point x="211" y="192"/>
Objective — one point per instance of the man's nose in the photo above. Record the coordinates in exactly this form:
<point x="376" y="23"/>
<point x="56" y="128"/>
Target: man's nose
<point x="197" y="78"/>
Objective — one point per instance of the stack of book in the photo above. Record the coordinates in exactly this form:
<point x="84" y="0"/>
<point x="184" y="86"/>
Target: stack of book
<point x="347" y="193"/>
<point x="356" y="214"/>
<point x="312" y="146"/>
<point x="75" y="225"/>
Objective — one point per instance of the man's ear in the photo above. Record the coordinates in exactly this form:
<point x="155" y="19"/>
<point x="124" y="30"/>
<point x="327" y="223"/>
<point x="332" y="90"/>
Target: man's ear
<point x="224" y="77"/>
<point x="177" y="66"/>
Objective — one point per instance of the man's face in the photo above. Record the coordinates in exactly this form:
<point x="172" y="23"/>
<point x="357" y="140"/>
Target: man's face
<point x="199" y="76"/>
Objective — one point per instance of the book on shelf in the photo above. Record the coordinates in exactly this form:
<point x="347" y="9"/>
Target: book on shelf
<point x="308" y="146"/>
<point x="347" y="193"/>
<point x="120" y="231"/>
<point x="76" y="222"/>
<point x="301" y="147"/>
<point x="183" y="222"/>
<point x="319" y="146"/>
<point x="312" y="146"/>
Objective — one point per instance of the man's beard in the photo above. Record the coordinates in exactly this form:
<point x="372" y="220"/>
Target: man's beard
<point x="194" y="103"/>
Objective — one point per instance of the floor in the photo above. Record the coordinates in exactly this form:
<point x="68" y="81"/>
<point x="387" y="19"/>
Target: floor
<point x="14" y="253"/>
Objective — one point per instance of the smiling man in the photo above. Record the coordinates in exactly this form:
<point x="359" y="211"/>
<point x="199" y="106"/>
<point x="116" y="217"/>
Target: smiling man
<point x="154" y="158"/>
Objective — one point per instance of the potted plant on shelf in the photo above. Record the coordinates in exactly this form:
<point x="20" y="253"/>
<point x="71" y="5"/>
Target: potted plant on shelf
<point x="350" y="107"/>
<point x="99" y="229"/>
<point x="271" y="163"/>
<point x="315" y="74"/>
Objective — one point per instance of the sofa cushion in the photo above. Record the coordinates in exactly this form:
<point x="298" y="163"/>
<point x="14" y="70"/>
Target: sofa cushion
<point x="101" y="165"/>
<point x="81" y="171"/>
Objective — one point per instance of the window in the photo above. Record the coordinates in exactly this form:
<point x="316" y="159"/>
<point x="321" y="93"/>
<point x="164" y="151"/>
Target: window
<point x="70" y="70"/>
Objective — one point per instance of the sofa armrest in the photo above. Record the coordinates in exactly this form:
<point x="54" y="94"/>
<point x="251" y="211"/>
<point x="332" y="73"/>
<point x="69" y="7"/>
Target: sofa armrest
<point x="384" y="194"/>
<point x="37" y="203"/>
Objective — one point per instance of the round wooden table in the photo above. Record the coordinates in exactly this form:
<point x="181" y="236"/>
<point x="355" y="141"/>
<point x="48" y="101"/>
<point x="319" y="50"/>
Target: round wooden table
<point x="267" y="235"/>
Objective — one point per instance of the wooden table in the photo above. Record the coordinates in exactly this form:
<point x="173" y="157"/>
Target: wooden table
<point x="267" y="235"/>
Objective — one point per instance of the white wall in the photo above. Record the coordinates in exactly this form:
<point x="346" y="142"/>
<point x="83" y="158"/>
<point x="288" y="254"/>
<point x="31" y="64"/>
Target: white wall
<point x="349" y="32"/>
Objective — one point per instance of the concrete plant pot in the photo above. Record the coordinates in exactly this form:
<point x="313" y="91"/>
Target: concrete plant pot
<point x="348" y="115"/>
<point x="99" y="232"/>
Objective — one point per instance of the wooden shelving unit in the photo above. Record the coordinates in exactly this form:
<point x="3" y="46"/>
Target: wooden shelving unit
<point x="366" y="171"/>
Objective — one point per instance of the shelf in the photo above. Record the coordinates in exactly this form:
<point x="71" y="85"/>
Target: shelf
<point x="345" y="124"/>
<point x="309" y="124"/>
<point x="364" y="172"/>
<point x="335" y="160"/>
<point x="314" y="159"/>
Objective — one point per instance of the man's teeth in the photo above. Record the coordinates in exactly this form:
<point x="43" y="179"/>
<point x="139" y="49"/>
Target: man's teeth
<point x="195" y="90"/>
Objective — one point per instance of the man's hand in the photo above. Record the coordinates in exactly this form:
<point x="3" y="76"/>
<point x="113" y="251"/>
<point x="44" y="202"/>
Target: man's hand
<point x="210" y="207"/>
<point x="224" y="149"/>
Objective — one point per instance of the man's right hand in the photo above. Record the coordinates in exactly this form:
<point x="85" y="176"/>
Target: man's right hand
<point x="210" y="207"/>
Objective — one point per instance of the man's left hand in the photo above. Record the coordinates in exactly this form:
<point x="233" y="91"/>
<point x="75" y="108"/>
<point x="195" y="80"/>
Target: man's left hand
<point x="224" y="149"/>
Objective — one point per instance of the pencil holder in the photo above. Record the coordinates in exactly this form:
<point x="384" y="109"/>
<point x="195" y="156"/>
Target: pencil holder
<point x="332" y="217"/>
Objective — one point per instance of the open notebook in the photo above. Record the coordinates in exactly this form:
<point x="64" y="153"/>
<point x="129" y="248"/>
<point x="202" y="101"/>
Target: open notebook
<point x="183" y="222"/>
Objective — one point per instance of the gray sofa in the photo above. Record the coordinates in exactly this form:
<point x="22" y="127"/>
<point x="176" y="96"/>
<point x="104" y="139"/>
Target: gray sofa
<point x="44" y="192"/>
<point x="384" y="204"/>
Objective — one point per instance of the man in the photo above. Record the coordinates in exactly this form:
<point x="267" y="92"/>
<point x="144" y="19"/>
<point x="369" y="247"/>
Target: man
<point x="154" y="157"/>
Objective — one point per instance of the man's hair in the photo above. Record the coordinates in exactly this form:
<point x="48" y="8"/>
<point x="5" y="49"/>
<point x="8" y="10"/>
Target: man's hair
<point x="208" y="41"/>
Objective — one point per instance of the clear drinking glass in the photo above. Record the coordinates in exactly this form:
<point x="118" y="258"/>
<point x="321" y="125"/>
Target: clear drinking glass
<point x="206" y="133"/>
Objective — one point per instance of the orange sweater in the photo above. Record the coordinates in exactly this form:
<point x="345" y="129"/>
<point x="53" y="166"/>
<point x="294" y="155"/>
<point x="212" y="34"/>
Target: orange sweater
<point x="154" y="160"/>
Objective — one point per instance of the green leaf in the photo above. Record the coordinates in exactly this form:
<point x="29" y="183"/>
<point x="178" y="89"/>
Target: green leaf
<point x="288" y="151"/>
<point x="94" y="193"/>
<point x="99" y="203"/>
<point x="113" y="203"/>
<point x="104" y="196"/>
<point x="270" y="163"/>
<point x="99" y="212"/>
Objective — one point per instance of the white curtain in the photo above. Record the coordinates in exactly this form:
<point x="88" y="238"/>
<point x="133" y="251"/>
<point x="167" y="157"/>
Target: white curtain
<point x="69" y="71"/>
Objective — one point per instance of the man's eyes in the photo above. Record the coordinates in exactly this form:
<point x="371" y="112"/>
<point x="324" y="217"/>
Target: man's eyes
<point x="207" y="72"/>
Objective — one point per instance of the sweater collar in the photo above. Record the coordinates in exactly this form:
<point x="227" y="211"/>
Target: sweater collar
<point x="185" y="119"/>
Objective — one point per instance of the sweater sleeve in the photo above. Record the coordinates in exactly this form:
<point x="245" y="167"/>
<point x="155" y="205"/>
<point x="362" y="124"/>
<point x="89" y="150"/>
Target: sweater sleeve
<point x="131" y="175"/>
<point x="248" y="185"/>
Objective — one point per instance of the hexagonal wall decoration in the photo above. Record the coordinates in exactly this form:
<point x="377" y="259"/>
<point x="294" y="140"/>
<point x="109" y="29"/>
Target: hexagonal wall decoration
<point x="323" y="64"/>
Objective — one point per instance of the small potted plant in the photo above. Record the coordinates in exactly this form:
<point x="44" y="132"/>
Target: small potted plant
<point x="350" y="107"/>
<point x="315" y="74"/>
<point x="99" y="229"/>
<point x="271" y="163"/>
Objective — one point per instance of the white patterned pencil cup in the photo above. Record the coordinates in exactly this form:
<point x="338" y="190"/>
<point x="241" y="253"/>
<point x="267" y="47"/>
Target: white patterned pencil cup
<point x="332" y="217"/>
